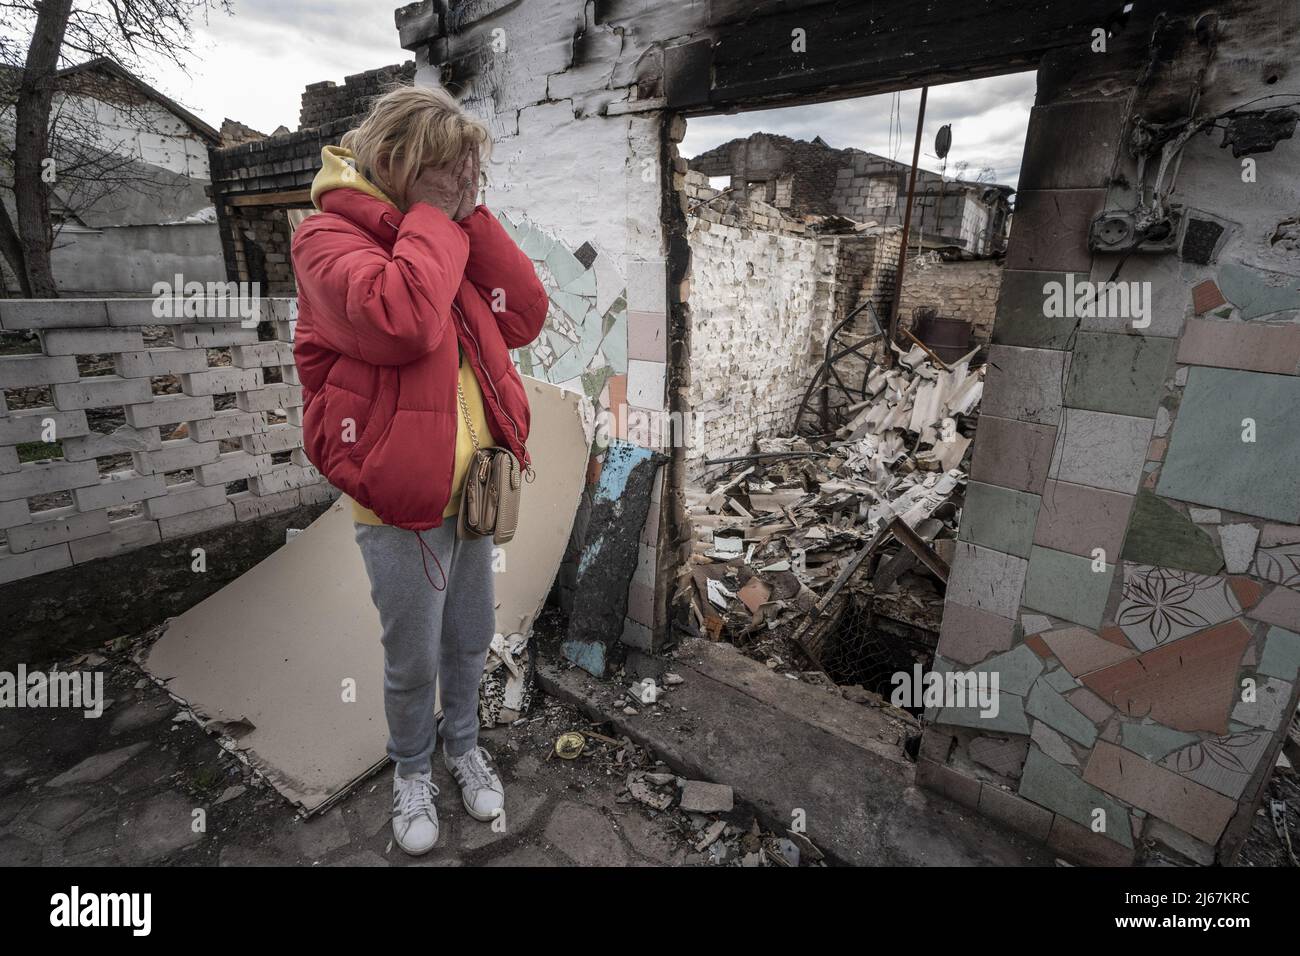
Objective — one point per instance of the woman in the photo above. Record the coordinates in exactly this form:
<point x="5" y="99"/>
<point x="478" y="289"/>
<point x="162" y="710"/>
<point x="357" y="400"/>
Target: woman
<point x="410" y="297"/>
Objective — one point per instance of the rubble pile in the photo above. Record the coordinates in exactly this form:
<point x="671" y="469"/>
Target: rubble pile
<point x="784" y="528"/>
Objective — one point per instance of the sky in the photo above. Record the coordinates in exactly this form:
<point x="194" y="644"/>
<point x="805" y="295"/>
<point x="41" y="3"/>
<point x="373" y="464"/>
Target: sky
<point x="988" y="118"/>
<point x="252" y="67"/>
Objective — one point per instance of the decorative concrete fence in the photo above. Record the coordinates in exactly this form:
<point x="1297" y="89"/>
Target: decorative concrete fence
<point x="120" y="429"/>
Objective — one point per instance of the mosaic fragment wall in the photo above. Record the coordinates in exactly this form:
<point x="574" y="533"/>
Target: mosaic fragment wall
<point x="1130" y="562"/>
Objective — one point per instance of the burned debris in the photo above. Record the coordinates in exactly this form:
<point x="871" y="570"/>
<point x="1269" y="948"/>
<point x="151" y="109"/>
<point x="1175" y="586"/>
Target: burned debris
<point x="802" y="546"/>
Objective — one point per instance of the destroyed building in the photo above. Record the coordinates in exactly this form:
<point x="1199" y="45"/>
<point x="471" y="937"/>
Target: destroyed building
<point x="1119" y="542"/>
<point x="811" y="178"/>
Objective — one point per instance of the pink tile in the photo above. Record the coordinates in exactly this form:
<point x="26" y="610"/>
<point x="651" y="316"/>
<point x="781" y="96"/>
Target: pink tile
<point x="647" y="336"/>
<point x="968" y="635"/>
<point x="1178" y="801"/>
<point x="1083" y="652"/>
<point x="1090" y="705"/>
<point x="1075" y="519"/>
<point x="1281" y="607"/>
<point x="1189" y="684"/>
<point x="1244" y="345"/>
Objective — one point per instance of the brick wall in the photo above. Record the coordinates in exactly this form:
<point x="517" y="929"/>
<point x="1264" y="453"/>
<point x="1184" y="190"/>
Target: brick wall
<point x="960" y="290"/>
<point x="327" y="102"/>
<point x="125" y="429"/>
<point x="762" y="291"/>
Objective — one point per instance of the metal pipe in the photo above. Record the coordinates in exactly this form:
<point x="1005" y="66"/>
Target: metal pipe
<point x="907" y="225"/>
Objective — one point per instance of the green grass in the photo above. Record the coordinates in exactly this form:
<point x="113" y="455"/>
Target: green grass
<point x="39" y="450"/>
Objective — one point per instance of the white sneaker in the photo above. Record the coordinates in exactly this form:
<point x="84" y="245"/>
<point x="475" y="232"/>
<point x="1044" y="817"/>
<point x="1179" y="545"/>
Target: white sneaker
<point x="415" y="818"/>
<point x="480" y="787"/>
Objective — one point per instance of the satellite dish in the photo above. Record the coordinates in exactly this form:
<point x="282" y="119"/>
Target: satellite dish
<point x="943" y="140"/>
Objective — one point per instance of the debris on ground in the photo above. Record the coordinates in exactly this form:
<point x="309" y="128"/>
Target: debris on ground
<point x="781" y="531"/>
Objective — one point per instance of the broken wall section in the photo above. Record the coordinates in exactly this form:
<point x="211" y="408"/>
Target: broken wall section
<point x="763" y="289"/>
<point x="1132" y="523"/>
<point x="966" y="290"/>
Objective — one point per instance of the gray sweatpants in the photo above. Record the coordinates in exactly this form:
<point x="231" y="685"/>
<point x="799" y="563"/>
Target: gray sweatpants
<point x="431" y="638"/>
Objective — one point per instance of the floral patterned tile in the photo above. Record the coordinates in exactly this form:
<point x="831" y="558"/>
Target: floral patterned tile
<point x="1161" y="605"/>
<point x="1223" y="764"/>
<point x="1280" y="564"/>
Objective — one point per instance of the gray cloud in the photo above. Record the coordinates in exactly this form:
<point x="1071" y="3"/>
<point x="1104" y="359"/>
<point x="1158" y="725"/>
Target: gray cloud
<point x="988" y="120"/>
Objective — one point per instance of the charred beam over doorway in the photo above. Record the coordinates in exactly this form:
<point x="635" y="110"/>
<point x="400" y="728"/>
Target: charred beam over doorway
<point x="852" y="49"/>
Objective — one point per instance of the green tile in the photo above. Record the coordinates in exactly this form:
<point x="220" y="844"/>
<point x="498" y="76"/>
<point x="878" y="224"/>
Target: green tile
<point x="1154" y="741"/>
<point x="1020" y="319"/>
<point x="565" y="267"/>
<point x="1010" y="718"/>
<point x="1058" y="713"/>
<point x="1118" y="373"/>
<point x="1048" y="784"/>
<point x="1256" y="293"/>
<point x="1160" y="534"/>
<point x="1061" y="680"/>
<point x="1065" y="586"/>
<point x="1209" y="464"/>
<point x="999" y="518"/>
<point x="1281" y="657"/>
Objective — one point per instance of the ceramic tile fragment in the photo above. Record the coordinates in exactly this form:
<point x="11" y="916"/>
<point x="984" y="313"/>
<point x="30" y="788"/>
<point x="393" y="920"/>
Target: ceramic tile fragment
<point x="1083" y="652"/>
<point x="1053" y="744"/>
<point x="1153" y="740"/>
<point x="1160" y="605"/>
<point x="1034" y="623"/>
<point x="1101" y="450"/>
<point x="1119" y="373"/>
<point x="987" y="580"/>
<point x="1047" y="783"/>
<point x="1238" y="543"/>
<point x="1271" y="704"/>
<point x="1280" y="564"/>
<point x="1159" y="534"/>
<point x="1189" y="684"/>
<point x="1257" y="293"/>
<point x="1066" y="586"/>
<point x="1024" y="384"/>
<point x="1002" y="755"/>
<point x="1054" y="710"/>
<point x="968" y="635"/>
<point x="1187" y="805"/>
<point x="1281" y="656"/>
<point x="1012" y="454"/>
<point x="1076" y="519"/>
<point x="1090" y="705"/>
<point x="998" y="518"/>
<point x="1220" y="411"/>
<point x="1010" y="718"/>
<point x="1224" y="764"/>
<point x="1281" y="606"/>
<point x="1060" y="680"/>
<point x="1243" y="345"/>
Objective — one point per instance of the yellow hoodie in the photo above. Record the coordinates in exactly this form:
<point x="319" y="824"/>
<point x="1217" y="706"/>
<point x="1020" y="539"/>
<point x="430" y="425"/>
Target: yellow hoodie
<point x="339" y="171"/>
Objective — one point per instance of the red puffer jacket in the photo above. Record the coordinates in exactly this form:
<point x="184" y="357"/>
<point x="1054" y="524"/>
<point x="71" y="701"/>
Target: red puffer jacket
<point x="383" y="300"/>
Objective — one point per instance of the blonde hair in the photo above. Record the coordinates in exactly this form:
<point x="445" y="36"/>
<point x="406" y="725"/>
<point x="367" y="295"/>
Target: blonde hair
<point x="409" y="128"/>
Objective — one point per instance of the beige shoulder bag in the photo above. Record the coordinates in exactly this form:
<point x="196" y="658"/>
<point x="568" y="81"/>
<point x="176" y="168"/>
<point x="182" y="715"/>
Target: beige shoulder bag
<point x="489" y="502"/>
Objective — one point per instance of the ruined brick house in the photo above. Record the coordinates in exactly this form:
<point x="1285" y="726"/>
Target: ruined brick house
<point x="261" y="185"/>
<point x="812" y="178"/>
<point x="1110" y="479"/>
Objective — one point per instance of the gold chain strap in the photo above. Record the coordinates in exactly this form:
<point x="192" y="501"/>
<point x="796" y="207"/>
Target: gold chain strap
<point x="464" y="410"/>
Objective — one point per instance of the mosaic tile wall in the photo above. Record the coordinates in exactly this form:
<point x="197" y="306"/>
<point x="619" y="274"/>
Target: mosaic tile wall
<point x="605" y="336"/>
<point x="1130" y="555"/>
